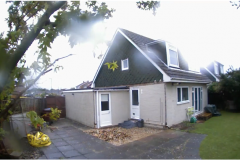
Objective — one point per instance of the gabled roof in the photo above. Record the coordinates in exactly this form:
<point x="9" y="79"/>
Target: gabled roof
<point x="174" y="74"/>
<point x="169" y="74"/>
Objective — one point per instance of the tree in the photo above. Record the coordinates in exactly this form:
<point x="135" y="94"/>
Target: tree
<point x="30" y="21"/>
<point x="229" y="86"/>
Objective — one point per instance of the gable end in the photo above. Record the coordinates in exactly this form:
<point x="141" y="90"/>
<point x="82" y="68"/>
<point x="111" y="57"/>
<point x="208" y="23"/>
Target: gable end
<point x="140" y="71"/>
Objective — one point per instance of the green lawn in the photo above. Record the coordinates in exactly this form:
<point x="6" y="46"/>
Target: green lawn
<point x="223" y="136"/>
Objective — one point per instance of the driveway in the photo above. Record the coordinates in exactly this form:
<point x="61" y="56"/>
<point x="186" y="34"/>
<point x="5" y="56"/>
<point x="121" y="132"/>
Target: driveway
<point x="69" y="141"/>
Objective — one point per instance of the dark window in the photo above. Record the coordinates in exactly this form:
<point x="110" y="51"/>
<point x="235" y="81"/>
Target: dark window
<point x="184" y="94"/>
<point x="179" y="94"/>
<point x="104" y="102"/>
<point x="196" y="105"/>
<point x="105" y="106"/>
<point x="134" y="97"/>
<point x="193" y="98"/>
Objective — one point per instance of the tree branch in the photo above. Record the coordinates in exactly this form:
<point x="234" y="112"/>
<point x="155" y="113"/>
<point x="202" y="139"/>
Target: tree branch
<point x="26" y="43"/>
<point x="46" y="70"/>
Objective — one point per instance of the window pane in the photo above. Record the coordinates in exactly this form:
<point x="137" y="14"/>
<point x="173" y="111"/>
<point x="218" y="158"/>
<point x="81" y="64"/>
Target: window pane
<point x="221" y="69"/>
<point x="125" y="64"/>
<point x="104" y="97"/>
<point x="184" y="94"/>
<point x="196" y="97"/>
<point x="104" y="102"/>
<point x="192" y="98"/>
<point x="105" y="106"/>
<point x="179" y="94"/>
<point x="173" y="57"/>
<point x="199" y="99"/>
<point x="134" y="97"/>
<point x="216" y="68"/>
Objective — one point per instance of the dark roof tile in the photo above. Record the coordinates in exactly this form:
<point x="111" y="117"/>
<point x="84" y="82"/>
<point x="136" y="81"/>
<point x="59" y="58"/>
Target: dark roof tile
<point x="141" y="42"/>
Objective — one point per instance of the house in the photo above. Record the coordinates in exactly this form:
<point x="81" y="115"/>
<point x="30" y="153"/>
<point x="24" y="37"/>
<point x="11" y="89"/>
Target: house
<point x="153" y="83"/>
<point x="86" y="84"/>
<point x="213" y="71"/>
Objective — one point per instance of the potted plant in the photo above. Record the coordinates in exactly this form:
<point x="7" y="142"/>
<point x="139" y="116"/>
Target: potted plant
<point x="52" y="116"/>
<point x="36" y="121"/>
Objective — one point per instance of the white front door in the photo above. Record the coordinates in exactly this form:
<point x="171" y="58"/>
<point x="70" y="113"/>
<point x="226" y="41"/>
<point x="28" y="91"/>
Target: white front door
<point x="135" y="113"/>
<point x="105" y="110"/>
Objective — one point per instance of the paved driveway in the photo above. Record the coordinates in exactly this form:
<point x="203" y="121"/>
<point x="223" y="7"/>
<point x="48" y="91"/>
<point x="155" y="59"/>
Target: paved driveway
<point x="69" y="141"/>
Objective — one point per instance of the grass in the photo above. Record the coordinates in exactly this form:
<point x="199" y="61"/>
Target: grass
<point x="223" y="136"/>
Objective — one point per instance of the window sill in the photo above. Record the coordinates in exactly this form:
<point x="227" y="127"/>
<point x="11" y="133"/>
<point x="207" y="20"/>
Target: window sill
<point x="183" y="102"/>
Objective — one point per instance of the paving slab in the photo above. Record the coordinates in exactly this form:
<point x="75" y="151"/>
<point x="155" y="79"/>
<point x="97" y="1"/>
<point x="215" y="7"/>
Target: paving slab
<point x="71" y="153"/>
<point x="60" y="143"/>
<point x="57" y="155"/>
<point x="65" y="148"/>
<point x="49" y="149"/>
<point x="83" y="149"/>
<point x="78" y="157"/>
<point x="69" y="141"/>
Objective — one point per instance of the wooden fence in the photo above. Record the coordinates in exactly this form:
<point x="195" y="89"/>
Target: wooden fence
<point x="56" y="102"/>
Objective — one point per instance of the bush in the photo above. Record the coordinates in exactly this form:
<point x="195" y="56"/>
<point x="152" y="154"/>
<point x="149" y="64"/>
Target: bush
<point x="229" y="87"/>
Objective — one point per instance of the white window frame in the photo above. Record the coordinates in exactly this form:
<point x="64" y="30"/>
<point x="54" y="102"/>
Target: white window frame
<point x="186" y="101"/>
<point x="168" y="47"/>
<point x="216" y="69"/>
<point x="123" y="65"/>
<point x="221" y="69"/>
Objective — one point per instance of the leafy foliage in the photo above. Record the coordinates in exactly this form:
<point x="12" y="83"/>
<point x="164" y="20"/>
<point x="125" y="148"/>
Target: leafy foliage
<point x="229" y="86"/>
<point x="35" y="119"/>
<point x="112" y="65"/>
<point x="54" y="115"/>
<point x="2" y="133"/>
<point x="149" y="5"/>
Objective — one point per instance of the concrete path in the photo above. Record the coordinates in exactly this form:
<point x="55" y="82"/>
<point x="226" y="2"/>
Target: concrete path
<point x="69" y="141"/>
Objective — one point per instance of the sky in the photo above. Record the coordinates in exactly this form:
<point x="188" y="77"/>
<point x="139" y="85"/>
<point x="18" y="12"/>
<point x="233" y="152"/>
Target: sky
<point x="202" y="30"/>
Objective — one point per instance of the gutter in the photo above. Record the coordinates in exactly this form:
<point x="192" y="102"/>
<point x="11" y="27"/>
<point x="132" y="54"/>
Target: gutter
<point x="187" y="80"/>
<point x="97" y="110"/>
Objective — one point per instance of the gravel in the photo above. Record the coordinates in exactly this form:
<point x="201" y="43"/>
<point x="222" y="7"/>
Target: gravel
<point x="126" y="135"/>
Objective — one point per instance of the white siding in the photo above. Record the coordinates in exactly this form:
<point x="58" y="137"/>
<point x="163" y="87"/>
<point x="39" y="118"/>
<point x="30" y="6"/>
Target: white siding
<point x="152" y="103"/>
<point x="176" y="113"/>
<point x="80" y="107"/>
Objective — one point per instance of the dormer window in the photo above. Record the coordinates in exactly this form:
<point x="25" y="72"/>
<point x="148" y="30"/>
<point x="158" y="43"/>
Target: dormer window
<point x="125" y="64"/>
<point x="216" y="68"/>
<point x="221" y="69"/>
<point x="172" y="56"/>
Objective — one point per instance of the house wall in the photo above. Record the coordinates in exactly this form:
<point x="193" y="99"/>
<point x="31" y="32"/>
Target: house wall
<point x="120" y="110"/>
<point x="152" y="103"/>
<point x="176" y="113"/>
<point x="80" y="107"/>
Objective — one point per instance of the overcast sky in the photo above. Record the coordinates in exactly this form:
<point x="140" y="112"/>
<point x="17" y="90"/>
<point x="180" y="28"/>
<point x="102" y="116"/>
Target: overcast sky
<point x="202" y="30"/>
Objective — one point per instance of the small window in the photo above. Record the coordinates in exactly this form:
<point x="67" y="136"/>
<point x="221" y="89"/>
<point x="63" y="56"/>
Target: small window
<point x="221" y="69"/>
<point x="125" y="64"/>
<point x="216" y="68"/>
<point x="135" y="97"/>
<point x="172" y="56"/>
<point x="182" y="95"/>
<point x="104" y="102"/>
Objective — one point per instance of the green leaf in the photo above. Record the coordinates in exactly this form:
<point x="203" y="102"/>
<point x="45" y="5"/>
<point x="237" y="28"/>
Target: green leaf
<point x="10" y="112"/>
